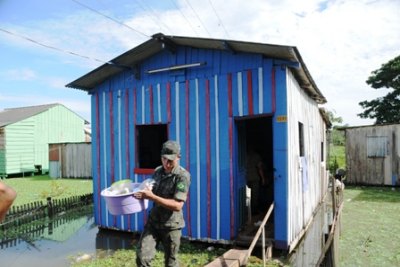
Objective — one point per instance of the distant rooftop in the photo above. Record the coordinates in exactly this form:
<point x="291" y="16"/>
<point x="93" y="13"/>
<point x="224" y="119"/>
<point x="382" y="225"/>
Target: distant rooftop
<point x="13" y="115"/>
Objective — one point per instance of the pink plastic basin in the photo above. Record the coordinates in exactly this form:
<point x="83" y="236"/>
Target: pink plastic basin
<point x="125" y="203"/>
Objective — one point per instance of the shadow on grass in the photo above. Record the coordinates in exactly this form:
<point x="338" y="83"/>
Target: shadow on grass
<point x="376" y="194"/>
<point x="41" y="178"/>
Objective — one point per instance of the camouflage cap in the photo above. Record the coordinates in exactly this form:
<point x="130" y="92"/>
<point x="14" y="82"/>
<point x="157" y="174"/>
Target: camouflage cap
<point x="171" y="150"/>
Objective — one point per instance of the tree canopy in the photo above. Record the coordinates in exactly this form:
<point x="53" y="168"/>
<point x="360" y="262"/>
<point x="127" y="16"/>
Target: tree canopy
<point x="384" y="109"/>
<point x="335" y="120"/>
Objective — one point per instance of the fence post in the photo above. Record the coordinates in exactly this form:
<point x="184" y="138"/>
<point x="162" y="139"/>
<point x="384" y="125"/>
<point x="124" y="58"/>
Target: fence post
<point x="49" y="207"/>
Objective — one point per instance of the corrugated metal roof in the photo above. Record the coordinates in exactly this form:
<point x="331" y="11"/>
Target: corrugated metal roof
<point x="12" y="115"/>
<point x="159" y="41"/>
<point x="342" y="128"/>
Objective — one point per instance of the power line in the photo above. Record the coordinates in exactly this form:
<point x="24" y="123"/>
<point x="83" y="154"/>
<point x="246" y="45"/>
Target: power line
<point x="51" y="47"/>
<point x="183" y="15"/>
<point x="219" y="19"/>
<point x="201" y="22"/>
<point x="108" y="17"/>
<point x="148" y="8"/>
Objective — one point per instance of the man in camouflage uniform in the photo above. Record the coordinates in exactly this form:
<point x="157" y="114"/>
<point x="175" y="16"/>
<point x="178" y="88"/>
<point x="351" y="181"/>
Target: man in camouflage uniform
<point x="166" y="221"/>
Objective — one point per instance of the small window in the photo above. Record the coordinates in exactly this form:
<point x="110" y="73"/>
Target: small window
<point x="377" y="146"/>
<point x="149" y="140"/>
<point x="322" y="152"/>
<point x="301" y="139"/>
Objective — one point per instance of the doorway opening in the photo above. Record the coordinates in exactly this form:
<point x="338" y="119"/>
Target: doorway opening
<point x="255" y="161"/>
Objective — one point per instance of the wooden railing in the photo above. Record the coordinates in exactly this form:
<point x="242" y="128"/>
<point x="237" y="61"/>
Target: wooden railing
<point x="260" y="231"/>
<point x="337" y="207"/>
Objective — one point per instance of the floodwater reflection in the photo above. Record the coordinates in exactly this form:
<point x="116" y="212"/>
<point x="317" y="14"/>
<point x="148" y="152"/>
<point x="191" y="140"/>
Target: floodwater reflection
<point x="59" y="241"/>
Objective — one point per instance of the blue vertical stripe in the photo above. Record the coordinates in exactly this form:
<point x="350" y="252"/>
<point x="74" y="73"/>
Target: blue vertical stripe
<point x="191" y="148"/>
<point x="217" y="157"/>
<point x="104" y="152"/>
<point x="95" y="161"/>
<point x="280" y="137"/>
<point x="119" y="154"/>
<point x="224" y="194"/>
<point x="198" y="159"/>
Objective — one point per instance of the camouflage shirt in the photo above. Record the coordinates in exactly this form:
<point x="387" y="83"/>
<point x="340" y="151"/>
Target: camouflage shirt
<point x="174" y="185"/>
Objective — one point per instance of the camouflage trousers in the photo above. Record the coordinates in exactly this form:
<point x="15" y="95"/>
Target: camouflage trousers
<point x="150" y="238"/>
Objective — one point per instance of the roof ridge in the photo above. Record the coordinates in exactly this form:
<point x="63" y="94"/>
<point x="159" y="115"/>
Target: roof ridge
<point x="36" y="106"/>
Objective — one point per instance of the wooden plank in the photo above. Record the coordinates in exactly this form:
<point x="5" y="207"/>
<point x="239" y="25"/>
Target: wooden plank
<point x="231" y="258"/>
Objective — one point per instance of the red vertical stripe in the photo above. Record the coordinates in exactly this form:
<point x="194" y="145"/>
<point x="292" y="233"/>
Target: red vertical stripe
<point x="208" y="151"/>
<point x="169" y="101"/>
<point x="189" y="224"/>
<point x="98" y="158"/>
<point x="134" y="124"/>
<point x="273" y="90"/>
<point x="250" y="92"/>
<point x="230" y="113"/>
<point x="230" y="132"/>
<point x="151" y="105"/>
<point x="127" y="135"/>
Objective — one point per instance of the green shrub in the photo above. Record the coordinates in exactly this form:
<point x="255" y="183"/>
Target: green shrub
<point x="337" y="158"/>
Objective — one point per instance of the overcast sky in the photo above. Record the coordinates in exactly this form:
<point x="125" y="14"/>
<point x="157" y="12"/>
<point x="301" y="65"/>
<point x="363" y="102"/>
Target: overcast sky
<point x="47" y="44"/>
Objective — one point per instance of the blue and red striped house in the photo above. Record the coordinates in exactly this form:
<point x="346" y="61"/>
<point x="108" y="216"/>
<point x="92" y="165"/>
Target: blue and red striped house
<point x="214" y="97"/>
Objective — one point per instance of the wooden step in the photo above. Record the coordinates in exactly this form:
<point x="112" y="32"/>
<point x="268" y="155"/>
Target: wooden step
<point x="231" y="258"/>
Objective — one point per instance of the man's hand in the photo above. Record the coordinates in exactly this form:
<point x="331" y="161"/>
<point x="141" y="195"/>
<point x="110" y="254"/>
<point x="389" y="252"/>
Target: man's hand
<point x="144" y="194"/>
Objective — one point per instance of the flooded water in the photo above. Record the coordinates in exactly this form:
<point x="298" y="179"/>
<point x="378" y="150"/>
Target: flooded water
<point x="61" y="241"/>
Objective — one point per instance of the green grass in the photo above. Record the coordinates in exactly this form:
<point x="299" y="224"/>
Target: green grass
<point x="190" y="255"/>
<point x="38" y="188"/>
<point x="337" y="158"/>
<point x="370" y="227"/>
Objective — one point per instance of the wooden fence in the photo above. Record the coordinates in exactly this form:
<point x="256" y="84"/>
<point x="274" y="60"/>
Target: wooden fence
<point x="23" y="223"/>
<point x="27" y="213"/>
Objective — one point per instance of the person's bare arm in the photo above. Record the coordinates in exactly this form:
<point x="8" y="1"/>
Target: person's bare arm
<point x="7" y="197"/>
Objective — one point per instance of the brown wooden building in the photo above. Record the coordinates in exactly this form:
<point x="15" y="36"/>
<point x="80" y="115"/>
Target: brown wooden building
<point x="70" y="160"/>
<point x="373" y="154"/>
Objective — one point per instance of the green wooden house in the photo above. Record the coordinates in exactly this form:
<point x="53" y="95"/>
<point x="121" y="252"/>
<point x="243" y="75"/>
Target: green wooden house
<point x="25" y="134"/>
